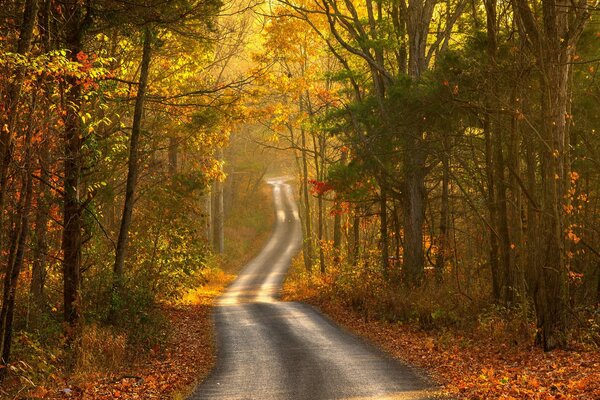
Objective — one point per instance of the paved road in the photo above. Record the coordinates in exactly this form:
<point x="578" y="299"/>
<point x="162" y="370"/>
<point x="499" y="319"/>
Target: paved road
<point x="270" y="350"/>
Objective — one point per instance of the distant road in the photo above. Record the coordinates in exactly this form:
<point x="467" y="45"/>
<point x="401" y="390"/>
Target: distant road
<point x="270" y="350"/>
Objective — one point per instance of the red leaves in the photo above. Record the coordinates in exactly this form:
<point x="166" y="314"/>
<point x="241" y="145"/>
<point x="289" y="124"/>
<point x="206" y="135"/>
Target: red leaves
<point x="319" y="188"/>
<point x="187" y="356"/>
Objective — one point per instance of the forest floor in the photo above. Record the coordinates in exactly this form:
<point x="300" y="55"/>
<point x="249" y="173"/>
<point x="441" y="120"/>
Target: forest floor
<point x="477" y="365"/>
<point x="170" y="372"/>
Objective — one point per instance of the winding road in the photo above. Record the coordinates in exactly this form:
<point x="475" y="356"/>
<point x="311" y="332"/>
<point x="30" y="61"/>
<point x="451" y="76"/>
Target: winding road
<point x="269" y="349"/>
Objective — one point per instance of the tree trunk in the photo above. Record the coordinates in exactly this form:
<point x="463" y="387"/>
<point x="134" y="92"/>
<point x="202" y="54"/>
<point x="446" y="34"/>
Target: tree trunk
<point x="173" y="152"/>
<point x="72" y="207"/>
<point x="15" y="261"/>
<point x="356" y="237"/>
<point x="419" y="16"/>
<point x="218" y="213"/>
<point x="553" y="39"/>
<point x="308" y="247"/>
<point x="383" y="231"/>
<point x="337" y="221"/>
<point x="440" y="260"/>
<point x="40" y="248"/>
<point x="506" y="270"/>
<point x="552" y="296"/>
<point x="11" y="102"/>
<point x="414" y="212"/>
<point x="133" y="164"/>
<point x="492" y="210"/>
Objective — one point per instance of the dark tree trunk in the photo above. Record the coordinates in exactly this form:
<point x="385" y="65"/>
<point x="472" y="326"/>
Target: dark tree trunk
<point x="553" y="37"/>
<point x="173" y="152"/>
<point x="383" y="231"/>
<point x="492" y="210"/>
<point x="40" y="247"/>
<point x="414" y="211"/>
<point x="507" y="284"/>
<point x="419" y="15"/>
<point x="337" y="221"/>
<point x="308" y="247"/>
<point x="133" y="163"/>
<point x="72" y="202"/>
<point x="10" y="105"/>
<point x="354" y="245"/>
<point x="15" y="261"/>
<point x="442" y="250"/>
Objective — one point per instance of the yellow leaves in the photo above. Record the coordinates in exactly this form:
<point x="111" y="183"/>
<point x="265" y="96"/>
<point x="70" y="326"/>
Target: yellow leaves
<point x="101" y="37"/>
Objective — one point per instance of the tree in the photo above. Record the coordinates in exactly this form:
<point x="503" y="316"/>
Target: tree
<point x="553" y="36"/>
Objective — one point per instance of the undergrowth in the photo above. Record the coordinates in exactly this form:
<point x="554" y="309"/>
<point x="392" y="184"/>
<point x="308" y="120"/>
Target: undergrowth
<point x="435" y="306"/>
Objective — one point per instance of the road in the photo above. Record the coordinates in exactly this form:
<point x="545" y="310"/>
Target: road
<point x="268" y="349"/>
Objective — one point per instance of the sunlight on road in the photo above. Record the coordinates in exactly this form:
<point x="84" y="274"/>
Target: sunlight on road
<point x="254" y="285"/>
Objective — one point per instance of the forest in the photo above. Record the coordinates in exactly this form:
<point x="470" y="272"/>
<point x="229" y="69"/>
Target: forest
<point x="445" y="156"/>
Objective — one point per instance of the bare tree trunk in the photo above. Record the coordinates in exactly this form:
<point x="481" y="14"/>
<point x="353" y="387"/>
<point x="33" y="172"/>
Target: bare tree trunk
<point x="506" y="269"/>
<point x="419" y="16"/>
<point x="133" y="164"/>
<point x="506" y="273"/>
<point x="72" y="204"/>
<point x="308" y="247"/>
<point x="356" y="237"/>
<point x="515" y="203"/>
<point x="337" y="221"/>
<point x="15" y="260"/>
<point x="440" y="260"/>
<point x="11" y="101"/>
<point x="552" y="296"/>
<point x="414" y="211"/>
<point x="337" y="233"/>
<point x="209" y="215"/>
<point x="383" y="231"/>
<point x="173" y="153"/>
<point x="218" y="213"/>
<point x="40" y="248"/>
<point x="553" y="37"/>
<point x="492" y="210"/>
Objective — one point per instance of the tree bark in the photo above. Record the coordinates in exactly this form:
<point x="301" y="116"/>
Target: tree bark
<point x="72" y="206"/>
<point x="308" y="247"/>
<point x="383" y="231"/>
<point x="414" y="211"/>
<point x="553" y="39"/>
<point x="442" y="250"/>
<point x="11" y="102"/>
<point x="133" y="164"/>
<point x="40" y="248"/>
<point x="173" y="155"/>
<point x="15" y="261"/>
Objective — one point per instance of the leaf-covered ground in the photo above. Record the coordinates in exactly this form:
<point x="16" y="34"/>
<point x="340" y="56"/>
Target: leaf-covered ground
<point x="167" y="373"/>
<point x="477" y="367"/>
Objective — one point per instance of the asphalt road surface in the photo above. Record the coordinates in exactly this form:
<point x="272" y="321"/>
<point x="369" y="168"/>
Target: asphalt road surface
<point x="269" y="349"/>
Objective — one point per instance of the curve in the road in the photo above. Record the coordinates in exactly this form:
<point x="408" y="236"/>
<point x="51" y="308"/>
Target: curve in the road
<point x="270" y="350"/>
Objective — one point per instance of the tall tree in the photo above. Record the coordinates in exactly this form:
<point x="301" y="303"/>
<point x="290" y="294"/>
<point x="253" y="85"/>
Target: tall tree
<point x="553" y="32"/>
